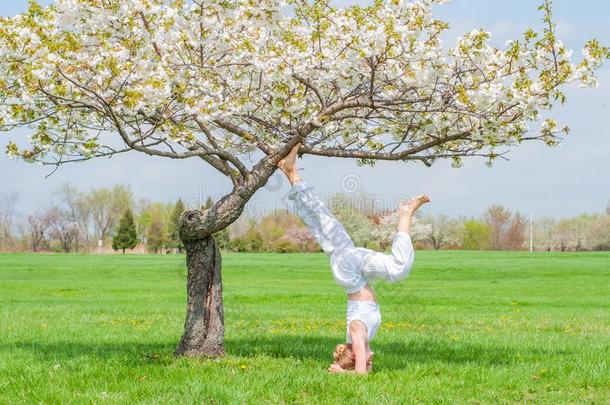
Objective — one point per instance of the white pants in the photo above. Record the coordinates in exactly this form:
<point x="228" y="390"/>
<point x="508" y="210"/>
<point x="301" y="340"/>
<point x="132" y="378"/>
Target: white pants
<point x="352" y="267"/>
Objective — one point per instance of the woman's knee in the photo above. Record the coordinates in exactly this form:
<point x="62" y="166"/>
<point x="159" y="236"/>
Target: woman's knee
<point x="401" y="269"/>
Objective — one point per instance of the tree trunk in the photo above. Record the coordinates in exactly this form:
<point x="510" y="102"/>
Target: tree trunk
<point x="204" y="325"/>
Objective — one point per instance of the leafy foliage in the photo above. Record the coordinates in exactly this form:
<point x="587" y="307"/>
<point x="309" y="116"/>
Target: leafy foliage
<point x="476" y="235"/>
<point x="218" y="79"/>
<point x="126" y="236"/>
<point x="156" y="235"/>
<point x="172" y="226"/>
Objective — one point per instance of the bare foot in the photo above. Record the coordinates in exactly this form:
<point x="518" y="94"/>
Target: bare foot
<point x="288" y="164"/>
<point x="410" y="206"/>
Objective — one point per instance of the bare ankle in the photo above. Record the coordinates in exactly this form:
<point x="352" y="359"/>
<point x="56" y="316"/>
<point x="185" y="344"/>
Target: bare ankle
<point x="294" y="178"/>
<point x="406" y="214"/>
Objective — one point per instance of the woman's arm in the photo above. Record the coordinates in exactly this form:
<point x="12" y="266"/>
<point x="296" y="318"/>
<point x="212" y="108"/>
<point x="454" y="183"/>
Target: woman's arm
<point x="369" y="358"/>
<point x="357" y="331"/>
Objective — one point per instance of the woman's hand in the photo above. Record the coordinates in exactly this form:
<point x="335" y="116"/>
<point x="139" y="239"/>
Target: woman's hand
<point x="336" y="368"/>
<point x="357" y="331"/>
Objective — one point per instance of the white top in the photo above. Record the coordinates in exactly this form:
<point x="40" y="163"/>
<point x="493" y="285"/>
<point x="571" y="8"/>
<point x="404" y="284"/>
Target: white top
<point x="366" y="312"/>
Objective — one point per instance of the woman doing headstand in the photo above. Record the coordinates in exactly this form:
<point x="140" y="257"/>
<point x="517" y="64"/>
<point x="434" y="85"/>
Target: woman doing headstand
<point x="353" y="267"/>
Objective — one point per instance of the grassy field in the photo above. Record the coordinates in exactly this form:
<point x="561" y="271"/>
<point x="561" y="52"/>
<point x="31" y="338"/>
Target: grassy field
<point x="466" y="327"/>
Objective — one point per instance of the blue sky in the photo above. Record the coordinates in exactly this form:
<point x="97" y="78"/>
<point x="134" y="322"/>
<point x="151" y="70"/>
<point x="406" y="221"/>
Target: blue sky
<point x="569" y="180"/>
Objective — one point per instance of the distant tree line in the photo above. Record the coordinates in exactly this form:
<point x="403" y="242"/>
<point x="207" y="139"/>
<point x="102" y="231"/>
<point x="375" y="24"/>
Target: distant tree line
<point x="77" y="221"/>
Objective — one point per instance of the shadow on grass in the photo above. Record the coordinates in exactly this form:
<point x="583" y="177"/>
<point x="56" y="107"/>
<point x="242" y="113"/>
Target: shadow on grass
<point x="389" y="356"/>
<point x="64" y="350"/>
<point x="394" y="355"/>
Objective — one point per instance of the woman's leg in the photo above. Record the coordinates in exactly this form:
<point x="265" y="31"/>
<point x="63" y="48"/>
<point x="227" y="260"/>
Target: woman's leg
<point x="323" y="225"/>
<point x="397" y="265"/>
<point x="394" y="266"/>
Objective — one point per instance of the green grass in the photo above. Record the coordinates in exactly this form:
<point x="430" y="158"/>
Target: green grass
<point x="466" y="327"/>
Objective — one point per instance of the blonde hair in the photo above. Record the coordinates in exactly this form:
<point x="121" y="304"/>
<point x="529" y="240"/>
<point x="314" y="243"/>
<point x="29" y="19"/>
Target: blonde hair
<point x="344" y="356"/>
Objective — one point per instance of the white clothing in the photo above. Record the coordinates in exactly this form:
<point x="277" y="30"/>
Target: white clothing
<point x="366" y="312"/>
<point x="352" y="267"/>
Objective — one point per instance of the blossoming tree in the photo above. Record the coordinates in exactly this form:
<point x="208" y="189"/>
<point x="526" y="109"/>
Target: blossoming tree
<point x="235" y="81"/>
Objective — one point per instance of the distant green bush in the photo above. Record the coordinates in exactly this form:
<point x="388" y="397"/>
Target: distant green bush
<point x="284" y="246"/>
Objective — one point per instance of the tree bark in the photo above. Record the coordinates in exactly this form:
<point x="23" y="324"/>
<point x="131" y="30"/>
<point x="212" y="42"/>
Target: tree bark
<point x="204" y="325"/>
